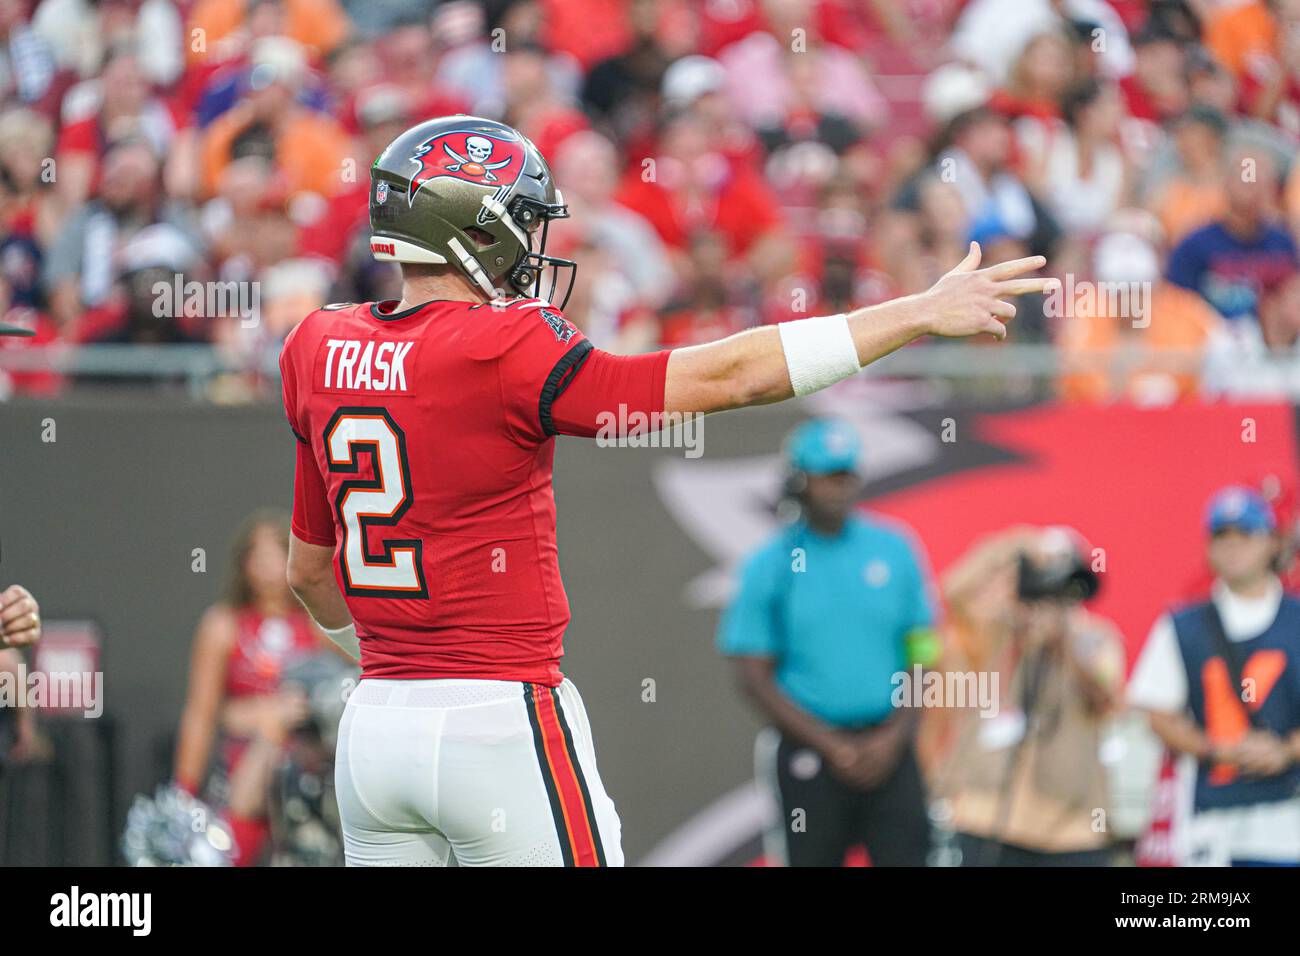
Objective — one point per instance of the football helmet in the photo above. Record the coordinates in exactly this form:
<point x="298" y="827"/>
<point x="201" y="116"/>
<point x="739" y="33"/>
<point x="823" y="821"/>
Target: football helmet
<point x="474" y="193"/>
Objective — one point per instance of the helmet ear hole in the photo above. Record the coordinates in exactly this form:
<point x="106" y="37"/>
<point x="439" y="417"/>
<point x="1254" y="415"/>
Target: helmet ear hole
<point x="482" y="238"/>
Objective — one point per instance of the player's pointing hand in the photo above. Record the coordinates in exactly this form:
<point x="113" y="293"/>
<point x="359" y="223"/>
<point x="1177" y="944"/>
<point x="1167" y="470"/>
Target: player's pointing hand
<point x="20" y="617"/>
<point x="969" y="300"/>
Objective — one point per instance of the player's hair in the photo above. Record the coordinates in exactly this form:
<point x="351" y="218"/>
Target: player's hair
<point x="239" y="590"/>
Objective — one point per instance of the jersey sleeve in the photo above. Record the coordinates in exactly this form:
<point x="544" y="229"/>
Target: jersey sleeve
<point x="289" y="387"/>
<point x="612" y="395"/>
<point x="554" y="382"/>
<point x="313" y="521"/>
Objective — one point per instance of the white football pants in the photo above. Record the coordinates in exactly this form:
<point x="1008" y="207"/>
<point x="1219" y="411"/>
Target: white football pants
<point x="471" y="773"/>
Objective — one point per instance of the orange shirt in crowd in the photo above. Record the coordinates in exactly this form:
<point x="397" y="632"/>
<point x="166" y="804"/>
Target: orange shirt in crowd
<point x="319" y="25"/>
<point x="1236" y="33"/>
<point x="1184" y="206"/>
<point x="309" y="152"/>
<point x="1101" y="362"/>
<point x="1291" y="199"/>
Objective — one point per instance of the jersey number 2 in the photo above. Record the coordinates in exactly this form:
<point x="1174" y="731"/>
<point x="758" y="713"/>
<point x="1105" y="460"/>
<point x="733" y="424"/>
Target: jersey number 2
<point x="376" y="502"/>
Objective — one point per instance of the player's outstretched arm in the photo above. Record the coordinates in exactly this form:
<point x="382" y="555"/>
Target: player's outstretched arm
<point x="773" y="364"/>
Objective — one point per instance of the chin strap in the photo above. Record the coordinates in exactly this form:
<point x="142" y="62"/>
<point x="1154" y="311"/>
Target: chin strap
<point x="473" y="267"/>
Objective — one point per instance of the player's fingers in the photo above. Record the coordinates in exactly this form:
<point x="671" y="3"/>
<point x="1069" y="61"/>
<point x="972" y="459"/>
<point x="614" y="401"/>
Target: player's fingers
<point x="18" y="637"/>
<point x="1015" y="267"/>
<point x="1026" y="286"/>
<point x="972" y="260"/>
<point x="15" y="592"/>
<point x="20" y="609"/>
<point x="1004" y="310"/>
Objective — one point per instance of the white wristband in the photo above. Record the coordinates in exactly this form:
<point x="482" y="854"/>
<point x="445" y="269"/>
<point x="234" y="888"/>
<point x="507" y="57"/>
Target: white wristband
<point x="818" y="352"/>
<point x="346" y="638"/>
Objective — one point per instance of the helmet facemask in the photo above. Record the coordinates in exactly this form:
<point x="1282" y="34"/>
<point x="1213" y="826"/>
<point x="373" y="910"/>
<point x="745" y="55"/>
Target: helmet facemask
<point x="535" y="218"/>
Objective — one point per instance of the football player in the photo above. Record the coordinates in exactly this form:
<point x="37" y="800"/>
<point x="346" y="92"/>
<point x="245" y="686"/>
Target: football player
<point x="424" y="520"/>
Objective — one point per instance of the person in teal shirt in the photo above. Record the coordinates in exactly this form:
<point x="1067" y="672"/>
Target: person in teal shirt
<point x="827" y="614"/>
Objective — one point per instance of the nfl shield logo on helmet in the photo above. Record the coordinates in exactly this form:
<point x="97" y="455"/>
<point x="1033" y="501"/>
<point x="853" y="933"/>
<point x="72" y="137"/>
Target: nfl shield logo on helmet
<point x="381" y="192"/>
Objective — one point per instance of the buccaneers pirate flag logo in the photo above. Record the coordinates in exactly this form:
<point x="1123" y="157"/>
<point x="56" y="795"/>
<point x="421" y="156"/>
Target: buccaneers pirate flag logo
<point x="482" y="157"/>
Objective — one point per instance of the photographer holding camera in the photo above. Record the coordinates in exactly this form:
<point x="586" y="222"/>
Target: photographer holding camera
<point x="1023" y="777"/>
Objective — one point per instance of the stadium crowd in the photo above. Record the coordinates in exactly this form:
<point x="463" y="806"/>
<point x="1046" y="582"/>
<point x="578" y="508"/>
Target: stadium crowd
<point x="727" y="162"/>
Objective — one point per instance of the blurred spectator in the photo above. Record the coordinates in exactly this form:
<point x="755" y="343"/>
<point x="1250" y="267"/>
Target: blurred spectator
<point x="1156" y="91"/>
<point x="28" y="209"/>
<point x="1242" y="36"/>
<point x="586" y="30"/>
<point x="1023" y="775"/>
<point x="116" y="106"/>
<point x="142" y="306"/>
<point x="286" y="291"/>
<point x="992" y="33"/>
<point x="27" y="60"/>
<point x="1231" y="259"/>
<point x="623" y="90"/>
<point x="1209" y="676"/>
<point x="697" y="86"/>
<point x="604" y="305"/>
<point x="587" y="164"/>
<point x="784" y="70"/>
<point x="1138" y="338"/>
<point x="408" y="56"/>
<point x="1191" y="195"/>
<point x="317" y="25"/>
<point x="978" y="591"/>
<point x="307" y="148"/>
<point x="710" y="300"/>
<point x="1080" y="172"/>
<point x="1270" y="90"/>
<point x="84" y="262"/>
<point x="1038" y="79"/>
<point x="382" y="112"/>
<point x="467" y="63"/>
<point x="534" y="102"/>
<point x="1260" y="360"/>
<point x="974" y="158"/>
<point x="691" y="186"/>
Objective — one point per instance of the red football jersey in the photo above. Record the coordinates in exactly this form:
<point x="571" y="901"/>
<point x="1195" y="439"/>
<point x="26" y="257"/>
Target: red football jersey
<point x="425" y="450"/>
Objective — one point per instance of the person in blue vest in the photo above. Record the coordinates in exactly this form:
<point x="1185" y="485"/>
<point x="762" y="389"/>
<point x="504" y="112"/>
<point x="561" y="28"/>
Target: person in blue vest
<point x="1220" y="681"/>
<point x="827" y="614"/>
